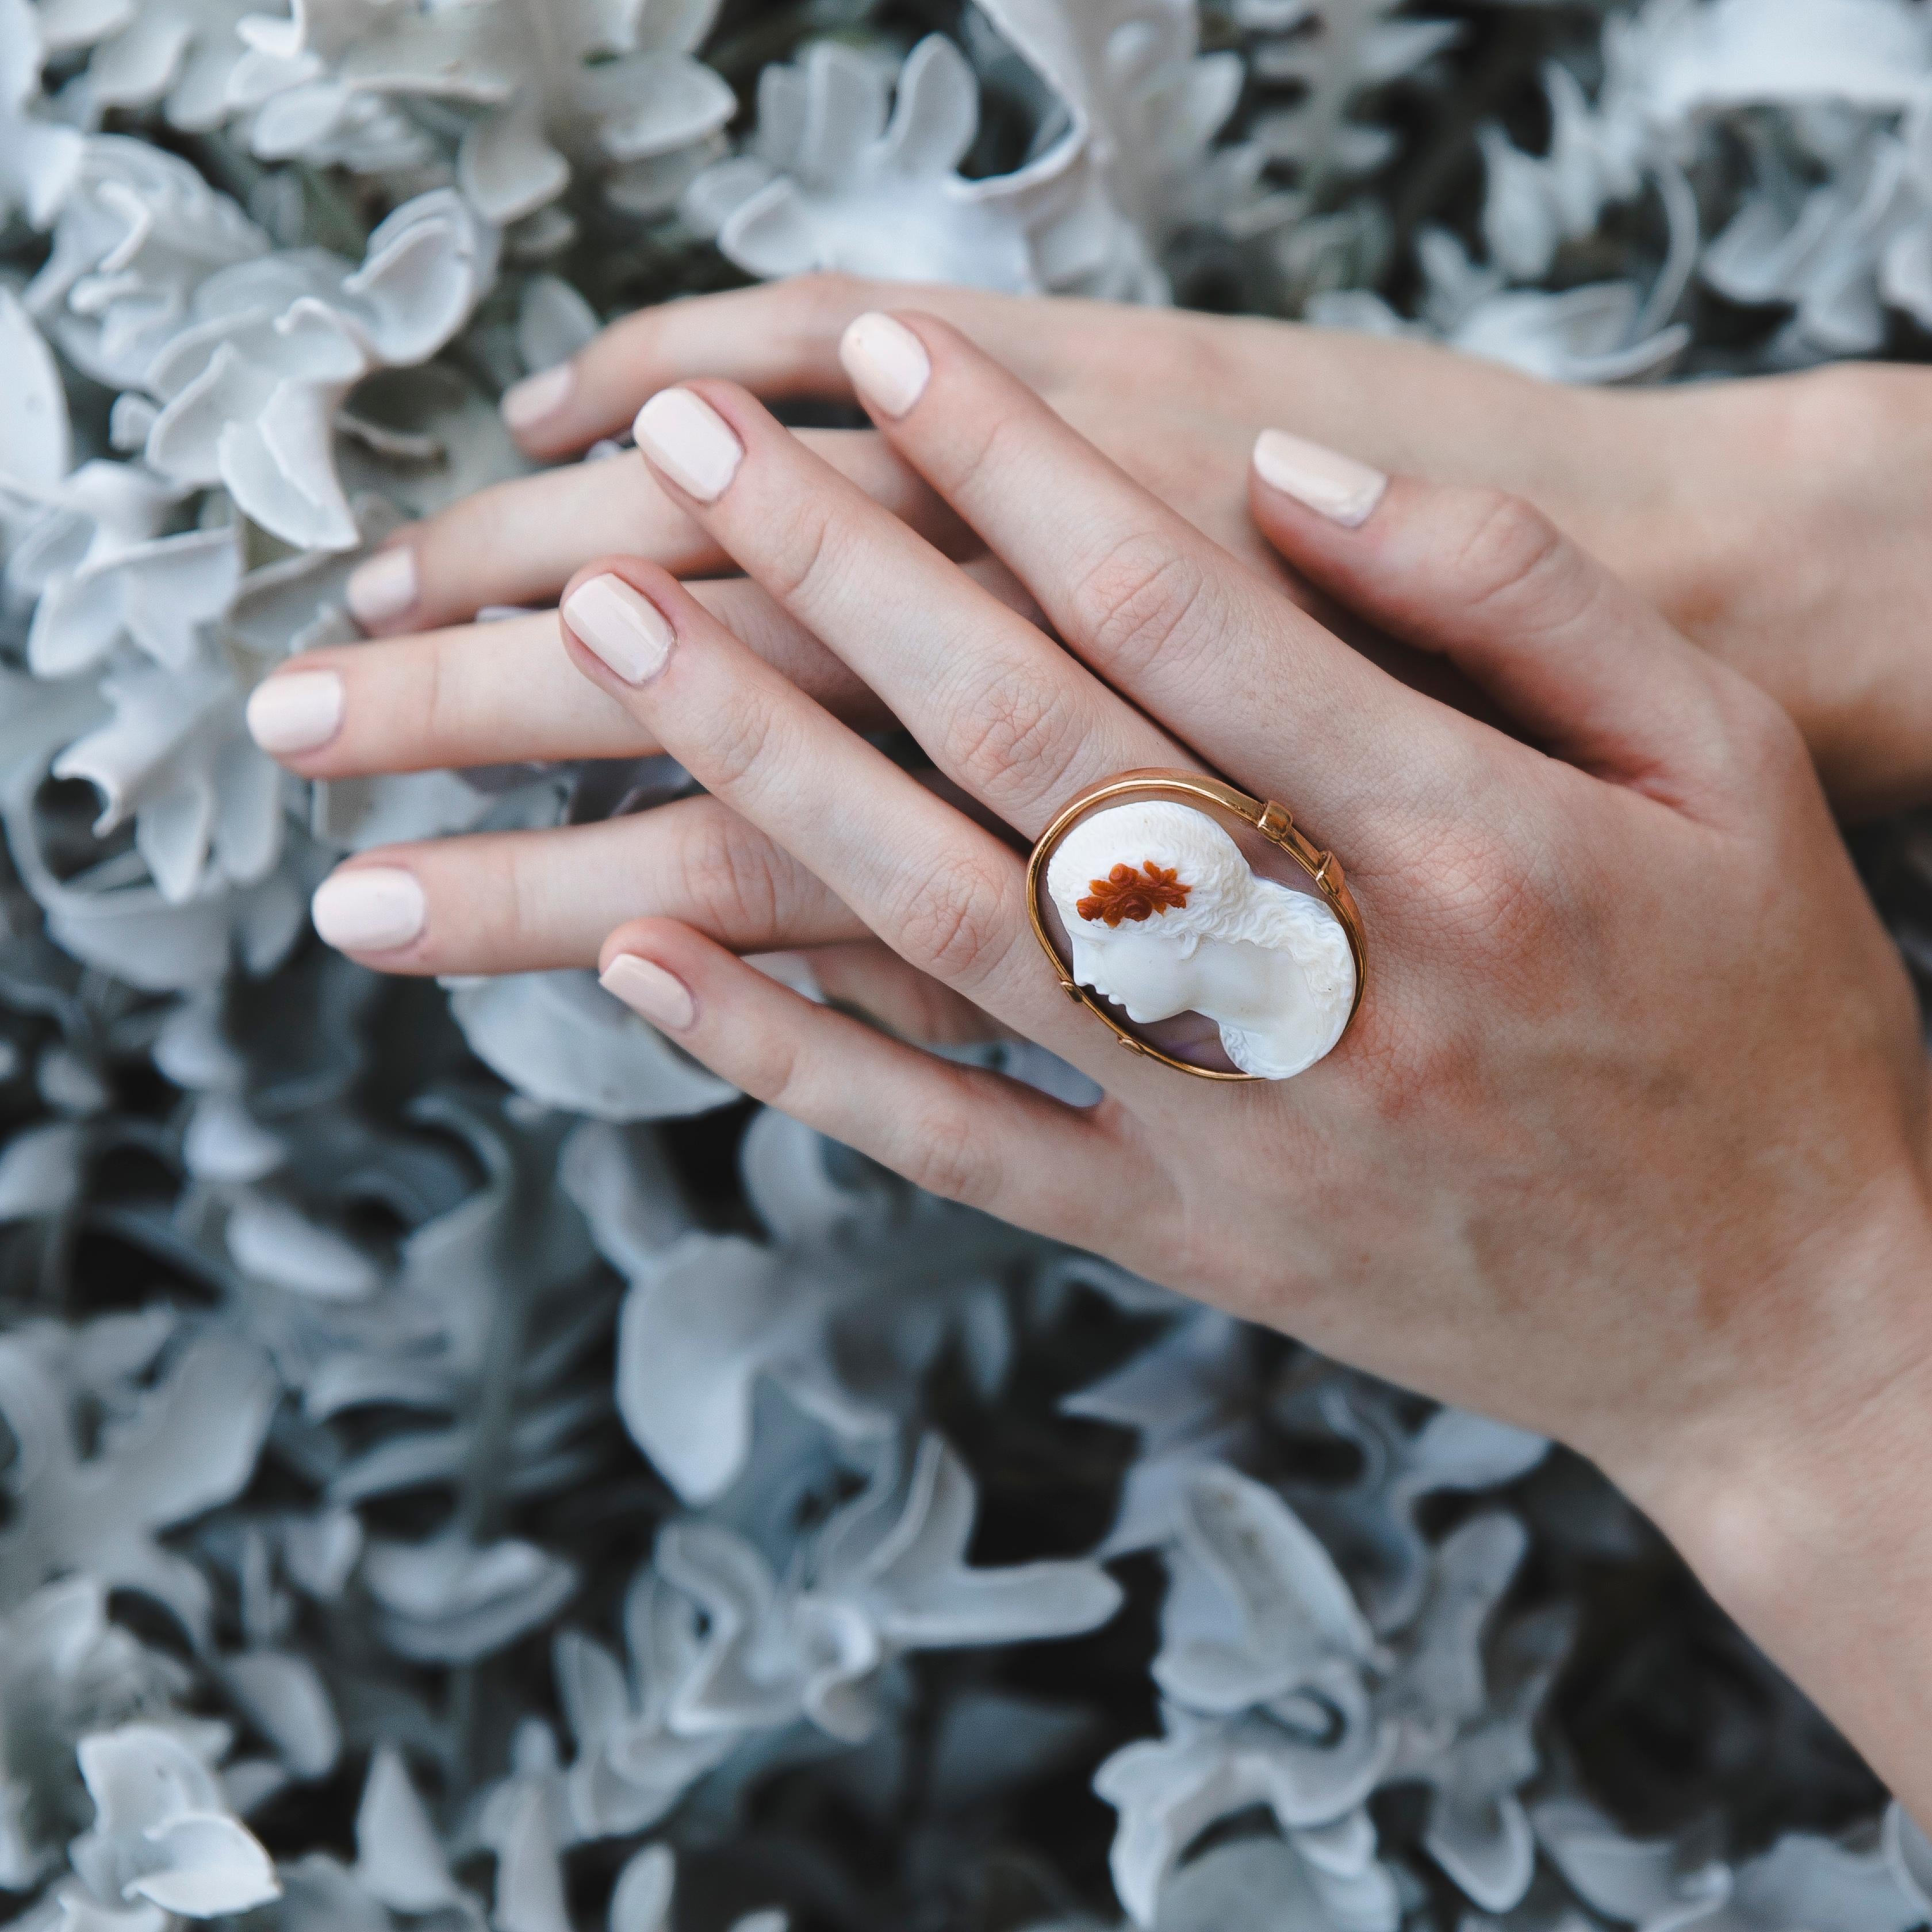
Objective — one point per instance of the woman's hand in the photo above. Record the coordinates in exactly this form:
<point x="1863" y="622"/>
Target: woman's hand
<point x="1626" y="1141"/>
<point x="1775" y="521"/>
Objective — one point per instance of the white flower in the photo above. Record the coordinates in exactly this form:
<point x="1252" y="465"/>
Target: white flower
<point x="1169" y="1792"/>
<point x="1328" y="1881"/>
<point x="398" y="1859"/>
<point x="1599" y="333"/>
<point x="41" y="1171"/>
<point x="1655" y="1883"/>
<point x="250" y="389"/>
<point x="138" y="234"/>
<point x="632" y="1764"/>
<point x="1265" y="1666"/>
<point x="179" y="54"/>
<point x="182" y="1447"/>
<point x="90" y="548"/>
<point x="1144" y="105"/>
<point x="113" y="916"/>
<point x="886" y="1575"/>
<point x="1468" y="1737"/>
<point x="831" y="182"/>
<point x="1332" y="52"/>
<point x="1842" y="251"/>
<point x="450" y="1601"/>
<point x="175" y="758"/>
<point x="64" y="1671"/>
<point x="1839" y="75"/>
<point x="39" y="157"/>
<point x="163" y="1831"/>
<point x="560" y="1038"/>
<point x="605" y="83"/>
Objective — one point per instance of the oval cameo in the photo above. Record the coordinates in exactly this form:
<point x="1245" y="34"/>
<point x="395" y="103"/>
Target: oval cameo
<point x="1165" y="916"/>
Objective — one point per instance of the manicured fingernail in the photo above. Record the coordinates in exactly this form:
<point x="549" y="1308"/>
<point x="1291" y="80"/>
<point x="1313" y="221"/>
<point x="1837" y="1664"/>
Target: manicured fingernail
<point x="621" y="624"/>
<point x="649" y="991"/>
<point x="525" y="404"/>
<point x="887" y="363"/>
<point x="368" y="909"/>
<point x="296" y="711"/>
<point x="683" y="433"/>
<point x="1335" y="486"/>
<point x="384" y="587"/>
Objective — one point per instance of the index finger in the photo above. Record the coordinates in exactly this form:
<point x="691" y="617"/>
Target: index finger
<point x="1254" y="685"/>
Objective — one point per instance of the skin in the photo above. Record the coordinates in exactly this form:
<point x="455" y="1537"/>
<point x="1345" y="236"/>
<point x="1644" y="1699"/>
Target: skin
<point x="1627" y="1143"/>
<point x="1775" y="521"/>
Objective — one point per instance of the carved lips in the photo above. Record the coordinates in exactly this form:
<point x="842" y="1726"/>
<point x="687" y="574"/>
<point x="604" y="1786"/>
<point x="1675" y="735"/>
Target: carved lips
<point x="1137" y="895"/>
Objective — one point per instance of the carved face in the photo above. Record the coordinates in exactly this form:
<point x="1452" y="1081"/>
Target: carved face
<point x="1165" y="917"/>
<point x="1148" y="976"/>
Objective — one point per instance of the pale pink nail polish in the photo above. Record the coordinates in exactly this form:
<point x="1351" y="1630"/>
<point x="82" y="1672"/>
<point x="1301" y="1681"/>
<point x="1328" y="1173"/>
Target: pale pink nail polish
<point x="1334" y="486"/>
<point x="621" y="625"/>
<point x="887" y="363"/>
<point x="684" y="436"/>
<point x="382" y="589"/>
<point x="649" y="991"/>
<point x="526" y="404"/>
<point x="369" y="909"/>
<point x="298" y="711"/>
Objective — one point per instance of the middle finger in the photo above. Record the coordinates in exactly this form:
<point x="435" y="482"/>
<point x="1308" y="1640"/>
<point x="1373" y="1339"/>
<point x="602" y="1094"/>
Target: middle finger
<point x="539" y="902"/>
<point x="1000" y="709"/>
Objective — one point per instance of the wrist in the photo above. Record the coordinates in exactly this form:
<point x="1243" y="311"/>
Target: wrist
<point x="1800" y="1503"/>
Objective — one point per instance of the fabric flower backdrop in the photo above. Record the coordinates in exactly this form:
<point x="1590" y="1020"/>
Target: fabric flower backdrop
<point x="461" y="1467"/>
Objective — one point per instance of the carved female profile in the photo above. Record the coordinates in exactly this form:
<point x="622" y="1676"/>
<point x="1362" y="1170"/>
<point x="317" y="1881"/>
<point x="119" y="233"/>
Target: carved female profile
<point x="1166" y="916"/>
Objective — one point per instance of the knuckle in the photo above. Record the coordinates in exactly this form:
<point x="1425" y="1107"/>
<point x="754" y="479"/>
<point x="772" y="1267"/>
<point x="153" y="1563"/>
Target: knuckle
<point x="805" y="557"/>
<point x="1015" y="727"/>
<point x="1768" y="748"/>
<point x="776" y="1072"/>
<point x="737" y="746"/>
<point x="489" y="904"/>
<point x="1496" y="899"/>
<point x="945" y="1154"/>
<point x="1508" y="554"/>
<point x="953" y="923"/>
<point x="729" y="873"/>
<point x="971" y="471"/>
<point x="443" y="698"/>
<point x="1143" y="600"/>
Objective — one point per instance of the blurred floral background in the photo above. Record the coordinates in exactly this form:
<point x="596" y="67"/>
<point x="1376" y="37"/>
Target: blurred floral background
<point x="461" y="1465"/>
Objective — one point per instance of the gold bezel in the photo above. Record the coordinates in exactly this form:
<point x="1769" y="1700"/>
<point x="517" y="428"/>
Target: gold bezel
<point x="1218" y="799"/>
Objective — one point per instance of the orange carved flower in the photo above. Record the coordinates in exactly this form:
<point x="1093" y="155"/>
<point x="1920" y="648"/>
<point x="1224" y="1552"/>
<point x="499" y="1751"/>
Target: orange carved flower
<point x="1126" y="893"/>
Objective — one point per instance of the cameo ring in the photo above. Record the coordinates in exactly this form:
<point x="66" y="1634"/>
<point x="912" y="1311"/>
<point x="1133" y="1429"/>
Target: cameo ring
<point x="1150" y="894"/>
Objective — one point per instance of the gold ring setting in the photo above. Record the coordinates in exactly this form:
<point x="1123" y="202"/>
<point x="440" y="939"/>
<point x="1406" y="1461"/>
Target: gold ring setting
<point x="1151" y="892"/>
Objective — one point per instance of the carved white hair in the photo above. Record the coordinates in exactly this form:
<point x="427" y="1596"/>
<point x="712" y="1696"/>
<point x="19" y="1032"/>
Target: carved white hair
<point x="1226" y="900"/>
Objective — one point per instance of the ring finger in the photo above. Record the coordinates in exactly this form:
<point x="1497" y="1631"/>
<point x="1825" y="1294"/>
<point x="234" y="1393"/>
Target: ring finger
<point x="537" y="901"/>
<point x="945" y="894"/>
<point x="1000" y="709"/>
